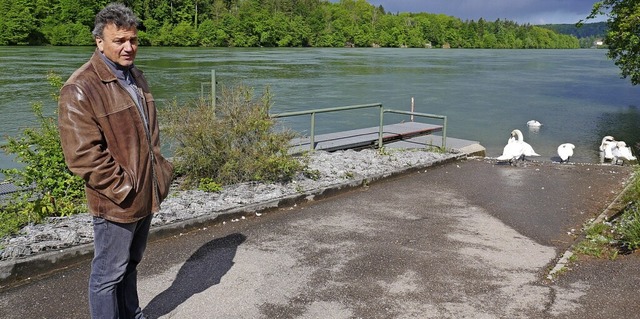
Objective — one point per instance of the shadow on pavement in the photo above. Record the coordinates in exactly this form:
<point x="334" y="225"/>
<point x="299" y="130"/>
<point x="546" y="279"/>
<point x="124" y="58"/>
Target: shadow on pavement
<point x="202" y="270"/>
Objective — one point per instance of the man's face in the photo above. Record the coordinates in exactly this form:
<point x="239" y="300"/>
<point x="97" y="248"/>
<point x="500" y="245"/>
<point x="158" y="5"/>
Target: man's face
<point x="119" y="45"/>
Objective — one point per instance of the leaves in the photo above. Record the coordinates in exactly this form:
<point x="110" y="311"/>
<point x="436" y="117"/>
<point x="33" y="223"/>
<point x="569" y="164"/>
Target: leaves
<point x="268" y="23"/>
<point x="235" y="143"/>
<point x="48" y="187"/>
<point x="623" y="37"/>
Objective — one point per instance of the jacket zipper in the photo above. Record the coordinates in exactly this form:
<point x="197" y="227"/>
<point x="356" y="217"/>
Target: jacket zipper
<point x="154" y="176"/>
<point x="140" y="109"/>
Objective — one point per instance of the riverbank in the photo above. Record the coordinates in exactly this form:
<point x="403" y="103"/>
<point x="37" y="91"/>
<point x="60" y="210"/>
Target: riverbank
<point x="456" y="240"/>
<point x="337" y="169"/>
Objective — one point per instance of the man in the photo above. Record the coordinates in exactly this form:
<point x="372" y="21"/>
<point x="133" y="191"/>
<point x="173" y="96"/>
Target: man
<point x="109" y="133"/>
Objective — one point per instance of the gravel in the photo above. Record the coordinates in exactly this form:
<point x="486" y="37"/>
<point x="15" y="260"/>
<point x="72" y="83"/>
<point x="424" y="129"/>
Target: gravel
<point x="334" y="168"/>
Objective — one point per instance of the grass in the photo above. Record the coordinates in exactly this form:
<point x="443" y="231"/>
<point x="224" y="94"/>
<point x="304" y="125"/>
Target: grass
<point x="621" y="235"/>
<point x="599" y="241"/>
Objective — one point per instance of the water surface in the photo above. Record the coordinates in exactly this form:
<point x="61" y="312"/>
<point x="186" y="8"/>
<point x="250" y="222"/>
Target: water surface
<point x="577" y="94"/>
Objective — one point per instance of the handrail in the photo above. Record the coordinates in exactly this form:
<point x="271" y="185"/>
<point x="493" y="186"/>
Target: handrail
<point x="353" y="107"/>
<point x="326" y="110"/>
<point x="433" y="116"/>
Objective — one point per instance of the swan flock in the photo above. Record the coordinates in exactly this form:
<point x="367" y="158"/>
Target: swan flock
<point x="617" y="152"/>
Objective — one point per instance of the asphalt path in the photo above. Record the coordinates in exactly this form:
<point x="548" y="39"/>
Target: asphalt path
<point x="470" y="239"/>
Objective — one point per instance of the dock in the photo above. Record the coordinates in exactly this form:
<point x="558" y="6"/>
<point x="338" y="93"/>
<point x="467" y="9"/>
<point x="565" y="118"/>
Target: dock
<point x="400" y="135"/>
<point x="363" y="138"/>
<point x="453" y="145"/>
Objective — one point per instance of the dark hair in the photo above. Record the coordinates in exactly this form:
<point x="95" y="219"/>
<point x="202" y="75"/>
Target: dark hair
<point x="116" y="13"/>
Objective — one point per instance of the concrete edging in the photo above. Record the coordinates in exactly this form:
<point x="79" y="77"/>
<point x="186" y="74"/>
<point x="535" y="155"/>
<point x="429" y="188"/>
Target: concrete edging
<point x="610" y="211"/>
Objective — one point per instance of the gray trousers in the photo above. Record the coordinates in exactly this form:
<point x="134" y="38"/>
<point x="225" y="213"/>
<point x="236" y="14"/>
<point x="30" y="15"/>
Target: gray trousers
<point x="113" y="289"/>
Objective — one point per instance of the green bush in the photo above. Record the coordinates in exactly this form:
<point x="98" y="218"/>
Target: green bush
<point x="49" y="188"/>
<point x="234" y="143"/>
<point x="209" y="185"/>
<point x="69" y="34"/>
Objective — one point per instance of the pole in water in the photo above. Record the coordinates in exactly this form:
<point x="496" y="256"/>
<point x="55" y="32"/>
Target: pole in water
<point x="213" y="90"/>
<point x="412" y="108"/>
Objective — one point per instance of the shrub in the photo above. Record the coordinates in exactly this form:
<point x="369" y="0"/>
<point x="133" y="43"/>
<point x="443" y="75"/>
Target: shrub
<point x="234" y="143"/>
<point x="48" y="187"/>
<point x="209" y="185"/>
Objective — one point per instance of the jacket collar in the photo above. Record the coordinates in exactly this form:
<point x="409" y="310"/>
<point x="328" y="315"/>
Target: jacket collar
<point x="104" y="72"/>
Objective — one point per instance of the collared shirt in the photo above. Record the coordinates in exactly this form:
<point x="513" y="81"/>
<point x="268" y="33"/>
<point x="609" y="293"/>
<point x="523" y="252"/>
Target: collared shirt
<point x="128" y="82"/>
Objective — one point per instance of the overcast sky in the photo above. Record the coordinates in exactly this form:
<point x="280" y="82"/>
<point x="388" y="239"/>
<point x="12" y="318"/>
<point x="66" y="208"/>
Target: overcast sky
<point x="520" y="11"/>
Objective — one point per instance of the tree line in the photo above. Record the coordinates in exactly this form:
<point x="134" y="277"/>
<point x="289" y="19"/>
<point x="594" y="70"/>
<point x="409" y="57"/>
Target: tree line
<point x="268" y="23"/>
<point x="587" y="33"/>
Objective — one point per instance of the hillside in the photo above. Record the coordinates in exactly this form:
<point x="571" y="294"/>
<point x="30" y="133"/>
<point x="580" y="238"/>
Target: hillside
<point x="587" y="33"/>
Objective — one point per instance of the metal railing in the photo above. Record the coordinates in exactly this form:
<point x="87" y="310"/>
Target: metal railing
<point x="313" y="113"/>
<point x="433" y="116"/>
<point x="361" y="106"/>
<point x="327" y="110"/>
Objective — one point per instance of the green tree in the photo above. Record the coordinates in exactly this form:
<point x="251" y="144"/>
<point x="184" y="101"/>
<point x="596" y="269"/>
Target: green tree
<point x="273" y="23"/>
<point x="623" y="36"/>
<point x="184" y="34"/>
<point x="17" y="21"/>
<point x="207" y="33"/>
<point x="70" y="34"/>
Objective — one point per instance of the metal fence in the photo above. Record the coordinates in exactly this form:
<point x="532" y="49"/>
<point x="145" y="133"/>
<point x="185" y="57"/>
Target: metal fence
<point x="361" y="106"/>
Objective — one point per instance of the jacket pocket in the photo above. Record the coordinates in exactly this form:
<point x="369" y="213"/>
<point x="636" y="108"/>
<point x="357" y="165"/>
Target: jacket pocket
<point x="165" y="177"/>
<point x="112" y="104"/>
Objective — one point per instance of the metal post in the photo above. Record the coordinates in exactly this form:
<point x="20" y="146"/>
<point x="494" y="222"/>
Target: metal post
<point x="213" y="90"/>
<point x="381" y="127"/>
<point x="444" y="134"/>
<point x="413" y="108"/>
<point x="313" y="132"/>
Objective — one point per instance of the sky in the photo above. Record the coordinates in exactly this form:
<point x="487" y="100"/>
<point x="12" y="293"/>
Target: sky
<point x="520" y="11"/>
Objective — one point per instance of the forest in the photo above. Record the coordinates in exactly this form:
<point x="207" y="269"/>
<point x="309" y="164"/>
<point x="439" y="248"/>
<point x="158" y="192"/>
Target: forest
<point x="269" y="23"/>
<point x="587" y="33"/>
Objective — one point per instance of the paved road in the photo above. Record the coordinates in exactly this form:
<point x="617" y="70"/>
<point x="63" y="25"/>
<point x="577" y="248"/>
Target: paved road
<point x="464" y="240"/>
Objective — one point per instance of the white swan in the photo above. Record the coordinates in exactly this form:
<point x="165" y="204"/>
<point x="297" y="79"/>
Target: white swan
<point x="516" y="149"/>
<point x="534" y="123"/>
<point x="606" y="148"/>
<point x="527" y="149"/>
<point x="621" y="152"/>
<point x="512" y="152"/>
<point x="565" y="151"/>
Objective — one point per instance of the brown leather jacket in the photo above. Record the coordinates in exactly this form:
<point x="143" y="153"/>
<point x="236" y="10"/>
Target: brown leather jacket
<point x="105" y="142"/>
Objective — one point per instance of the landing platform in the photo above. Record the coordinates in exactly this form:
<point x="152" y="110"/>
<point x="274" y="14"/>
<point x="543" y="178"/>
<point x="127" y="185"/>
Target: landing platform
<point x="363" y="138"/>
<point x="454" y="145"/>
<point x="401" y="135"/>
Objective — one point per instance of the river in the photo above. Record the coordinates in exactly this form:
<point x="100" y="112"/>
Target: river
<point x="578" y="95"/>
